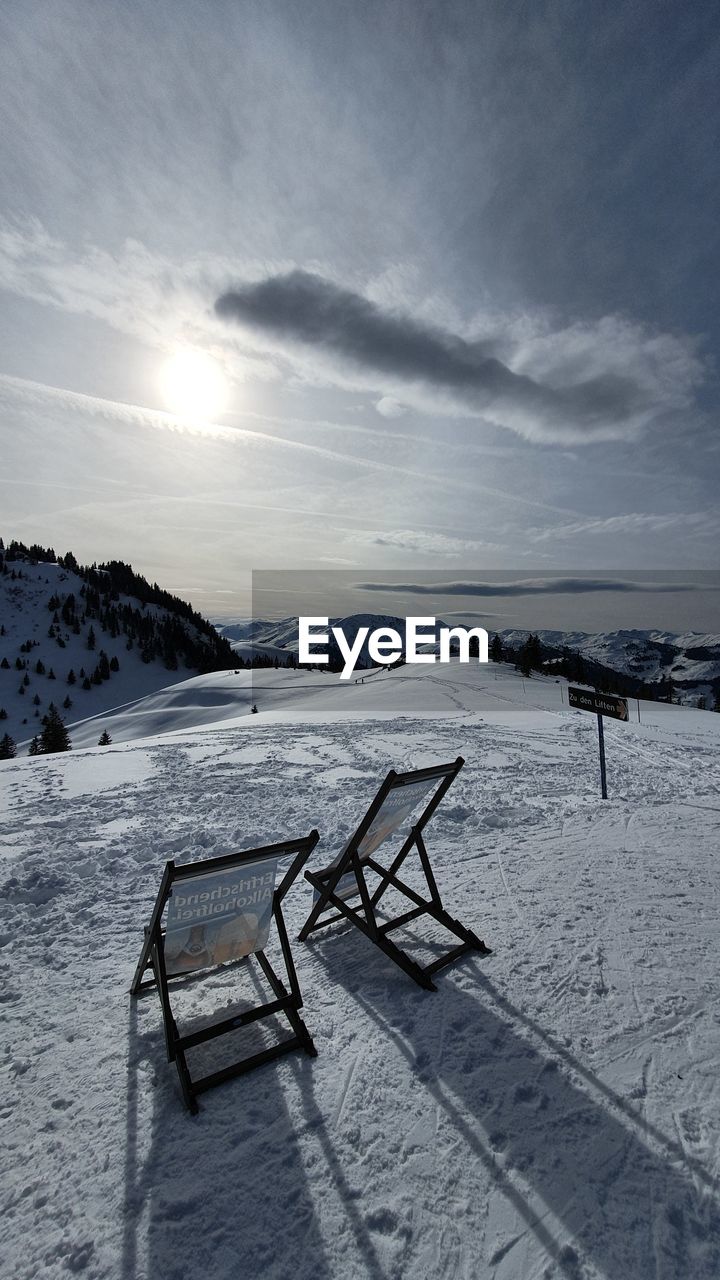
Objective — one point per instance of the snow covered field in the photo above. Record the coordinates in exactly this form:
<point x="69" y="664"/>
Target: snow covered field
<point x="553" y="1110"/>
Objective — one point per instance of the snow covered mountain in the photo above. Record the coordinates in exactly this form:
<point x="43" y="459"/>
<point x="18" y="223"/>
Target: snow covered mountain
<point x="690" y="660"/>
<point x="89" y="639"/>
<point x="553" y="1110"/>
<point x="280" y="638"/>
<point x="244" y="631"/>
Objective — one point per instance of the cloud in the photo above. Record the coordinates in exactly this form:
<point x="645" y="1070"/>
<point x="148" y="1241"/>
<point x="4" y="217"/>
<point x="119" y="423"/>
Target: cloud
<point x="572" y="400"/>
<point x="135" y="291"/>
<point x="439" y="544"/>
<point x="37" y="395"/>
<point x="525" y="587"/>
<point x="697" y="523"/>
<point x="609" y="379"/>
<point x="390" y="408"/>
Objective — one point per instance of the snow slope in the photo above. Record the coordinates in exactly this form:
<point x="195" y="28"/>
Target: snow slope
<point x="552" y="1111"/>
<point x="25" y="616"/>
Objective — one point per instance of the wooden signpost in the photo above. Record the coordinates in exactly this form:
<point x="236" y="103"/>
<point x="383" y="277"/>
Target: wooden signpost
<point x="603" y="704"/>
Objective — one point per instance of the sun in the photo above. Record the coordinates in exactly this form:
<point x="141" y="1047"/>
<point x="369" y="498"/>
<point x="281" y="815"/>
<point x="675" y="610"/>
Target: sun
<point x="193" y="385"/>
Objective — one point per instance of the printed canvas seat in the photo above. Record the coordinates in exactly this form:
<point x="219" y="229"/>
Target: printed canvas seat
<point x="346" y="878"/>
<point x="216" y="913"/>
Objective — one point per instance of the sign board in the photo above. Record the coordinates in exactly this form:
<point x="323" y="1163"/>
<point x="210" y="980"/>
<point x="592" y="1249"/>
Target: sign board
<point x="604" y="704"/>
<point x="218" y="917"/>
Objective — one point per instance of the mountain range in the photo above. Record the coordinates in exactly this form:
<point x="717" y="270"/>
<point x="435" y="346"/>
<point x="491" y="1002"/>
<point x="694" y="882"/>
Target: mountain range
<point x="690" y="661"/>
<point x="94" y="639"/>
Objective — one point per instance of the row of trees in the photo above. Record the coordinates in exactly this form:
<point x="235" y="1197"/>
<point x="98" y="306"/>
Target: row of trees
<point x="164" y="627"/>
<point x="54" y="738"/>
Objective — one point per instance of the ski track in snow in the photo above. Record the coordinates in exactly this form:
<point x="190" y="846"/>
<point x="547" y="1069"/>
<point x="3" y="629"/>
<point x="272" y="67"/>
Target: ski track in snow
<point x="552" y="1111"/>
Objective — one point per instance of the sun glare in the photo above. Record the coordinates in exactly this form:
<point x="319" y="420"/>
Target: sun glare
<point x="193" y="385"/>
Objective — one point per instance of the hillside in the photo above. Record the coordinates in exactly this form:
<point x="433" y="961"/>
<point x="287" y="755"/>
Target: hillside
<point x="87" y="639"/>
<point x="552" y="1110"/>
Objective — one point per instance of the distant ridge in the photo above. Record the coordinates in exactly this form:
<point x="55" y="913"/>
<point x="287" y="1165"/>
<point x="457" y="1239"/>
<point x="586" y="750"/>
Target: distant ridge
<point x="651" y="664"/>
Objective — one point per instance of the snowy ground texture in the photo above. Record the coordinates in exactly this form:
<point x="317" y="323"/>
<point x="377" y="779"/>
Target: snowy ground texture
<point x="552" y="1111"/>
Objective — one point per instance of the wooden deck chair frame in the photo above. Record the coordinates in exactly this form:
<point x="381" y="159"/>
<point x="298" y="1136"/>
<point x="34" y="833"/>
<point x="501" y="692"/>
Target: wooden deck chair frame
<point x="288" y="998"/>
<point x="352" y="861"/>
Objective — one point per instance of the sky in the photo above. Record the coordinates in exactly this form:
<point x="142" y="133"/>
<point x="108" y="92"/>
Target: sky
<point x="453" y="266"/>
<point x="677" y="601"/>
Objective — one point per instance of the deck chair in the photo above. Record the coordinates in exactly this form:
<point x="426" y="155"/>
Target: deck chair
<point x="345" y="878"/>
<point x="221" y="912"/>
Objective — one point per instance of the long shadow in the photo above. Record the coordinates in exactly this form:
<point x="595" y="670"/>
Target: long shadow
<point x="571" y="1165"/>
<point x="348" y="1195"/>
<point x="223" y="1194"/>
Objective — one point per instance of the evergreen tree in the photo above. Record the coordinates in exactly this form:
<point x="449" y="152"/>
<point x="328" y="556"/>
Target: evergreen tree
<point x="5" y="664"/>
<point x="8" y="750"/>
<point x="67" y="703"/>
<point x="91" y="638"/>
<point x="104" y="740"/>
<point x="496" y="649"/>
<point x="39" y="668"/>
<point x="3" y="713"/>
<point x="71" y="676"/>
<point x="524" y="659"/>
<point x="114" y="664"/>
<point x="54" y="736"/>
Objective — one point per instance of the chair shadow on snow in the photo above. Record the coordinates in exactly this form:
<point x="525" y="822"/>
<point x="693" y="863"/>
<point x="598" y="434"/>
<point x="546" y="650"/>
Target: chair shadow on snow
<point x="226" y="1193"/>
<point x="621" y="1195"/>
<point x="582" y="1176"/>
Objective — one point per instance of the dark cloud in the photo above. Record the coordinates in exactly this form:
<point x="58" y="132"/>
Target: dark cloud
<point x="525" y="587"/>
<point x="307" y="308"/>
